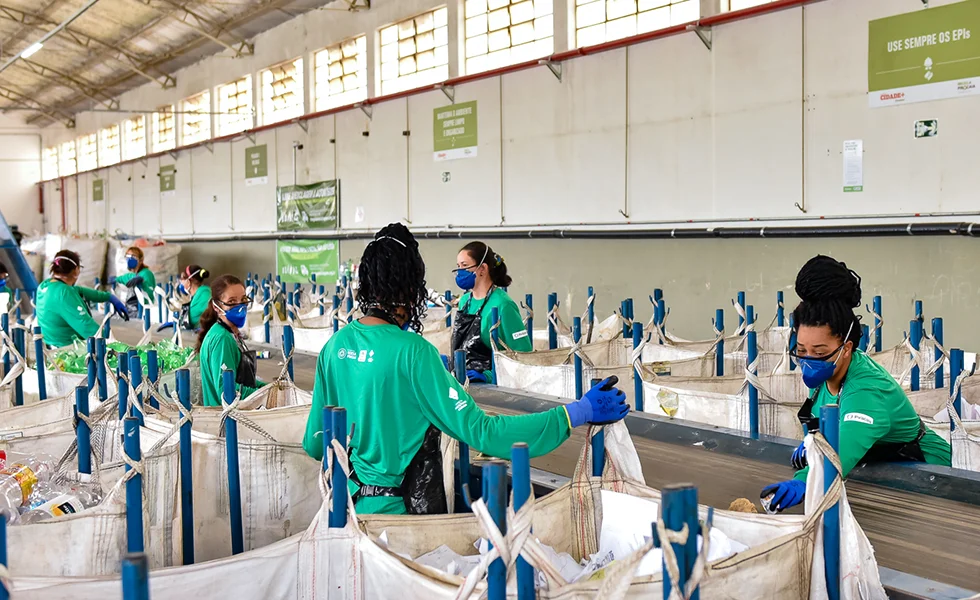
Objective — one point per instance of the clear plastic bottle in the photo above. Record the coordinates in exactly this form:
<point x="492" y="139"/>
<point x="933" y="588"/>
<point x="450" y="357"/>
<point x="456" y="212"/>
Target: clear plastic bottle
<point x="18" y="478"/>
<point x="60" y="505"/>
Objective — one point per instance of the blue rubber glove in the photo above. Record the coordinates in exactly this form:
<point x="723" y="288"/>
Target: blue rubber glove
<point x="476" y="376"/>
<point x="119" y="307"/>
<point x="167" y="325"/>
<point x="786" y="494"/>
<point x="799" y="457"/>
<point x="603" y="404"/>
<point x="445" y="361"/>
<point x="134" y="282"/>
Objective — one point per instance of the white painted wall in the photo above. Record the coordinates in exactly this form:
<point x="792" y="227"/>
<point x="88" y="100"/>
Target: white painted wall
<point x="20" y="169"/>
<point x="662" y="131"/>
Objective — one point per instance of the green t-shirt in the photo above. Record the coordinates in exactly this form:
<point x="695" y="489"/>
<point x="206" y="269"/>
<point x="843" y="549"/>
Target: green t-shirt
<point x="393" y="385"/>
<point x="149" y="281"/>
<point x="62" y="312"/>
<point x="873" y="408"/>
<point x="219" y="352"/>
<point x="199" y="303"/>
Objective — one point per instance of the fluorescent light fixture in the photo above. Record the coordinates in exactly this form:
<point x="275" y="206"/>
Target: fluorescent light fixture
<point x="31" y="50"/>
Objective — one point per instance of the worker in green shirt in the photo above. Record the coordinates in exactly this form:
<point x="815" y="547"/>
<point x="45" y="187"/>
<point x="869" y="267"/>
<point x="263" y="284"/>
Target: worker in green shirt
<point x="220" y="342"/>
<point x="877" y="421"/>
<point x="482" y="274"/>
<point x="62" y="312"/>
<point x="398" y="394"/>
<point x="192" y="297"/>
<point x="139" y="276"/>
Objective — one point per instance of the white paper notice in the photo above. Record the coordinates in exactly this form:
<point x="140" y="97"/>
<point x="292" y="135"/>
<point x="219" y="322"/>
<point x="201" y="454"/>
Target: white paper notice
<point x="359" y="214"/>
<point x="854" y="166"/>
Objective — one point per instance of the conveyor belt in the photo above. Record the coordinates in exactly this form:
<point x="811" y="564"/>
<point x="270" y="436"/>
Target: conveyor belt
<point x="931" y="537"/>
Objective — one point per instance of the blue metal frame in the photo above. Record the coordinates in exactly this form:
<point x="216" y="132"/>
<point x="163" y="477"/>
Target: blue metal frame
<point x="830" y="428"/>
<point x="42" y="384"/>
<point x="876" y="306"/>
<point x="136" y="377"/>
<point x="153" y="373"/>
<point x="915" y="337"/>
<point x="134" y="487"/>
<point x="576" y="359"/>
<point x="186" y="469"/>
<point x="135" y="576"/>
<point x="234" y="470"/>
<point x="552" y="333"/>
<point x="638" y="399"/>
<point x="83" y="432"/>
<point x="937" y="335"/>
<point x="529" y="303"/>
<point x="338" y="512"/>
<point x="288" y="343"/>
<point x="680" y="508"/>
<point x="495" y="493"/>
<point x="520" y="460"/>
<point x="720" y="346"/>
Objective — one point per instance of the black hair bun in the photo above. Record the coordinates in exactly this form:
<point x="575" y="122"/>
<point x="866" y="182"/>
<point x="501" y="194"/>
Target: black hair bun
<point x="823" y="279"/>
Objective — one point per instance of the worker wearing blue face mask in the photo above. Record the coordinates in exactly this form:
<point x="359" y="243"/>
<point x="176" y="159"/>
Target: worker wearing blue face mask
<point x="221" y="344"/>
<point x="877" y="421"/>
<point x="482" y="274"/>
<point x="139" y="276"/>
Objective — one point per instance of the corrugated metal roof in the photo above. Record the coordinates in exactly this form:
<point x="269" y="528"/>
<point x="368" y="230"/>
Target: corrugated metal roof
<point x="120" y="44"/>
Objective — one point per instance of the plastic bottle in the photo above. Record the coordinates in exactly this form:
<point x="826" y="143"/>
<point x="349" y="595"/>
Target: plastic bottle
<point x="60" y="505"/>
<point x="17" y="479"/>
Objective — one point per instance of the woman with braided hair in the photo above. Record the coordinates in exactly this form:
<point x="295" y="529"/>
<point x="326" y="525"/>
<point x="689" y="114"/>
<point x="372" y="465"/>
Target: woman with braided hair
<point x="400" y="398"/>
<point x="877" y="421"/>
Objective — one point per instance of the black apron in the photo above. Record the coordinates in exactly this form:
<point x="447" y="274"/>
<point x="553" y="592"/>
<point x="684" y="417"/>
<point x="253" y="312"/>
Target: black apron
<point x="468" y="336"/>
<point x="245" y="372"/>
<point x="422" y="489"/>
<point x="879" y="452"/>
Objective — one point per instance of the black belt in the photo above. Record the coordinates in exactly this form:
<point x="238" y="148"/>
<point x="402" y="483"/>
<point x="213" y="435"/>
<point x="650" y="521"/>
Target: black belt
<point x="373" y="491"/>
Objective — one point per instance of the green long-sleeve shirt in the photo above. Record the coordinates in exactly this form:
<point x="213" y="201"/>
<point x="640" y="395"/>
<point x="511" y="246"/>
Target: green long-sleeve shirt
<point x="149" y="281"/>
<point x="219" y="352"/>
<point x="512" y="332"/>
<point x="199" y="303"/>
<point x="873" y="408"/>
<point x="393" y="385"/>
<point x="63" y="314"/>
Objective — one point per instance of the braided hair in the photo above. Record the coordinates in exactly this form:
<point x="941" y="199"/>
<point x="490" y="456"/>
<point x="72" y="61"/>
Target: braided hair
<point x="830" y="292"/>
<point x="392" y="275"/>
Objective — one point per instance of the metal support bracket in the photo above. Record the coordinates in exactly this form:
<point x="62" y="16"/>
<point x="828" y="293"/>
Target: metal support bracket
<point x="554" y="67"/>
<point x="174" y="154"/>
<point x="144" y="161"/>
<point x="449" y="91"/>
<point x="304" y="125"/>
<point x="357" y="5"/>
<point x="703" y="33"/>
<point x="367" y="109"/>
<point x="209" y="147"/>
<point x="250" y="136"/>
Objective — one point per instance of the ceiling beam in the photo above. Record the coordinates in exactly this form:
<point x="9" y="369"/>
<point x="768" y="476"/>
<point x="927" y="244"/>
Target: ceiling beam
<point x="63" y="79"/>
<point x="50" y="112"/>
<point x="204" y="26"/>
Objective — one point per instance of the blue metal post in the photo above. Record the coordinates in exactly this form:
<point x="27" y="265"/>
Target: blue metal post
<point x="741" y="303"/>
<point x="624" y="311"/>
<point x="449" y="308"/>
<point x="577" y="360"/>
<point x="83" y="433"/>
<point x="918" y="311"/>
<point x="662" y="309"/>
<point x="42" y="383"/>
<point x="637" y="376"/>
<point x="153" y="373"/>
<point x="658" y="295"/>
<point x="134" y="487"/>
<point x="792" y="340"/>
<point x="495" y="493"/>
<point x="459" y="365"/>
<point x="19" y="344"/>
<point x="323" y="309"/>
<point x="336" y="311"/>
<point x="327" y="434"/>
<point x="494" y="325"/>
<point x="290" y="300"/>
<point x="100" y="369"/>
<point x="266" y="314"/>
<point x="136" y="377"/>
<point x="876" y="305"/>
<point x="591" y="306"/>
<point x="529" y="302"/>
<point x="135" y="576"/>
<point x="830" y="428"/>
<point x="5" y="325"/>
<point x="90" y="366"/>
<point x="520" y="464"/>
<point x="679" y="508"/>
<point x="349" y="301"/>
<point x="4" y="594"/>
<point x="915" y="336"/>
<point x="122" y="386"/>
<point x="780" y="310"/>
<point x="288" y="343"/>
<point x="552" y="333"/>
<point x="720" y="346"/>
<point x="753" y="392"/>
<point x="160" y="308"/>
<point x="598" y="444"/>
<point x="865" y="334"/>
<point x="338" y="512"/>
<point x="955" y="368"/>
<point x="629" y="314"/>
<point x="234" y="473"/>
<point x="937" y="335"/>
<point x="186" y="469"/>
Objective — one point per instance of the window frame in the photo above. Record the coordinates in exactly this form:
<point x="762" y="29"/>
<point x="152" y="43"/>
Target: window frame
<point x="160" y="116"/>
<point x="478" y="57"/>
<point x="205" y="120"/>
<point x="87" y="149"/>
<point x="105" y="160"/>
<point x="289" y="112"/>
<point x="633" y="23"/>
<point x="243" y="121"/>
<point x="63" y="158"/>
<point x="436" y="73"/>
<point x="345" y="97"/>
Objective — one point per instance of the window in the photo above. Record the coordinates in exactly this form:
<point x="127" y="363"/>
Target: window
<point x="598" y="21"/>
<point x="235" y="106"/>
<point x="740" y="4"/>
<point x="282" y="92"/>
<point x="88" y="152"/>
<point x="505" y="32"/>
<point x="197" y="119"/>
<point x="66" y="159"/>
<point x="340" y="74"/>
<point x="49" y="163"/>
<point x="109" y="152"/>
<point x="415" y="52"/>
<point x="134" y="145"/>
<point x="164" y="133"/>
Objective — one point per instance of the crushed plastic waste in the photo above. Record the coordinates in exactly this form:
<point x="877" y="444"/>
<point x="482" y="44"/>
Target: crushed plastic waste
<point x="74" y="359"/>
<point x="19" y="477"/>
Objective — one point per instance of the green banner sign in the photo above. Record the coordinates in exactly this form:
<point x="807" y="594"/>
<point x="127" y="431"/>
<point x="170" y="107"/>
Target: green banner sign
<point x="98" y="190"/>
<point x="301" y="207"/>
<point x="256" y="165"/>
<point x="929" y="54"/>
<point x="168" y="180"/>
<point x="454" y="128"/>
<point x="297" y="260"/>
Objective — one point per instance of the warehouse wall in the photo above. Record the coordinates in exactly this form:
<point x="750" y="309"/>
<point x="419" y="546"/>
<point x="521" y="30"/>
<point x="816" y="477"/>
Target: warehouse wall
<point x="20" y="168"/>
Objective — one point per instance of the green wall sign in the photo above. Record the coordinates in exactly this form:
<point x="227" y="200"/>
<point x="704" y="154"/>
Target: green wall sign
<point x="301" y="207"/>
<point x="297" y="260"/>
<point x="929" y="54"/>
<point x="256" y="165"/>
<point x="455" y="131"/>
<point x="98" y="190"/>
<point x="168" y="180"/>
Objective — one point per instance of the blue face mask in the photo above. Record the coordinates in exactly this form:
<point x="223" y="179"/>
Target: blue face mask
<point x="465" y="279"/>
<point x="3" y="282"/>
<point x="132" y="262"/>
<point x="181" y="288"/>
<point x="236" y="315"/>
<point x="816" y="371"/>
